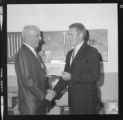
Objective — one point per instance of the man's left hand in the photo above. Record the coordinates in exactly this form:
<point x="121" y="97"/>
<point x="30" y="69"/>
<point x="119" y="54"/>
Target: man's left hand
<point x="66" y="76"/>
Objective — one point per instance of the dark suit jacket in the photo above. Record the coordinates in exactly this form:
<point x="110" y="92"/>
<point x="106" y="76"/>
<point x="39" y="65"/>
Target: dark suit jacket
<point x="31" y="82"/>
<point x="82" y="88"/>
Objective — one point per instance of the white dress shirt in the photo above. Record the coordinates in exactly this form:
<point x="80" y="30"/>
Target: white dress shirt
<point x="31" y="48"/>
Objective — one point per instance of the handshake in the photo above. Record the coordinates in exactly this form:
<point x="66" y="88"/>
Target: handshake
<point x="50" y="95"/>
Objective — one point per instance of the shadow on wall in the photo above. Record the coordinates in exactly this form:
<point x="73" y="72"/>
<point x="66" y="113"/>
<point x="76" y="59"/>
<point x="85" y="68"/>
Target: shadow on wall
<point x="100" y="83"/>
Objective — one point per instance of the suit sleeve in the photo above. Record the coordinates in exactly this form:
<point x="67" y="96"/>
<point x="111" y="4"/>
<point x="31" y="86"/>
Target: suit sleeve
<point x="92" y="72"/>
<point x="62" y="83"/>
<point x="27" y="78"/>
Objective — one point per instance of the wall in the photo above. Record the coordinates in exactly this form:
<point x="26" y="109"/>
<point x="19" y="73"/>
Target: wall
<point x="58" y="17"/>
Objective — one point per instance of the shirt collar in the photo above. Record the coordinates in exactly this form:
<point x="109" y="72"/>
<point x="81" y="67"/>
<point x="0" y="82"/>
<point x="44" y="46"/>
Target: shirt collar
<point x="78" y="46"/>
<point x="31" y="48"/>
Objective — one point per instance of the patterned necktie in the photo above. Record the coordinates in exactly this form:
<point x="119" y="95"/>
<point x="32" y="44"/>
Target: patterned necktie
<point x="72" y="56"/>
<point x="41" y="62"/>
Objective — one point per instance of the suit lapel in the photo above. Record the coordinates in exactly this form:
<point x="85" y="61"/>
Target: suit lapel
<point x="25" y="47"/>
<point x="41" y="62"/>
<point x="68" y="66"/>
<point x="37" y="59"/>
<point x="80" y="54"/>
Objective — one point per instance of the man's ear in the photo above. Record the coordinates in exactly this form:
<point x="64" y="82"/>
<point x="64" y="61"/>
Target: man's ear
<point x="81" y="35"/>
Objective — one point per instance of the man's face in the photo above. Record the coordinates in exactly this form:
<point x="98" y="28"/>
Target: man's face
<point x="40" y="44"/>
<point x="74" y="36"/>
<point x="36" y="37"/>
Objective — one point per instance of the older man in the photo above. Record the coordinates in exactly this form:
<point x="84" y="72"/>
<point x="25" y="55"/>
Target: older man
<point x="31" y="74"/>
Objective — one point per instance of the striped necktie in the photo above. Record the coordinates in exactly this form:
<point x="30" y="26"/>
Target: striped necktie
<point x="72" y="56"/>
<point x="41" y="62"/>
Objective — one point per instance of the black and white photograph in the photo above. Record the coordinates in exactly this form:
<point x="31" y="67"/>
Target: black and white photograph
<point x="1" y="17"/>
<point x="62" y="59"/>
<point x="1" y="71"/>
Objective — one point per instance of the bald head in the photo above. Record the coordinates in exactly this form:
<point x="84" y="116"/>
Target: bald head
<point x="31" y="35"/>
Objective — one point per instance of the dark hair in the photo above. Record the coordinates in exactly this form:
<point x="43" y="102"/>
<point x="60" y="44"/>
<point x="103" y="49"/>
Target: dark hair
<point x="80" y="27"/>
<point x="87" y="36"/>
